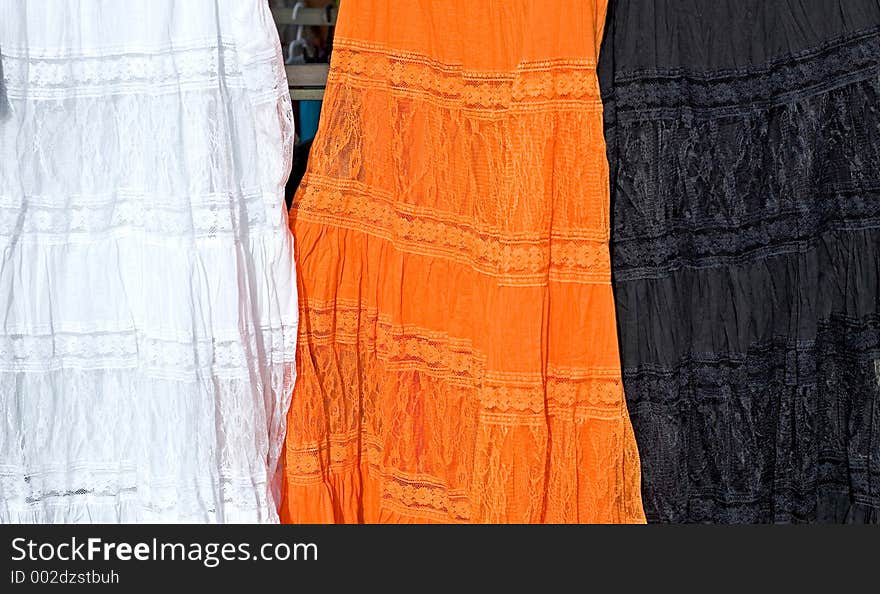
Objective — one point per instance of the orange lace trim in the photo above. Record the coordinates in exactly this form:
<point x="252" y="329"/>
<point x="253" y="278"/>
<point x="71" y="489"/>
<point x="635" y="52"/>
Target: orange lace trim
<point x="418" y="495"/>
<point x="513" y="260"/>
<point x="502" y="395"/>
<point x="550" y="84"/>
<point x="423" y="497"/>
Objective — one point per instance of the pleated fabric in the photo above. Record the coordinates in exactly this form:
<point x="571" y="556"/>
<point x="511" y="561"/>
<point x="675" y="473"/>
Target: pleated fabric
<point x="147" y="299"/>
<point x="458" y="359"/>
<point x="744" y="141"/>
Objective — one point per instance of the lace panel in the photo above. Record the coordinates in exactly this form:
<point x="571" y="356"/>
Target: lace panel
<point x="41" y="220"/>
<point x="168" y="70"/>
<point x="651" y="94"/>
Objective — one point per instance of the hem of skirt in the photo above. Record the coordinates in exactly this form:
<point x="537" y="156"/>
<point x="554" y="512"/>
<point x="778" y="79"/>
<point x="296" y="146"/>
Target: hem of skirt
<point x="863" y="513"/>
<point x="834" y="505"/>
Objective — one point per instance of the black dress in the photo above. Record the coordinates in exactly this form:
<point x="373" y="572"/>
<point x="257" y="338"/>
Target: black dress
<point x="744" y="142"/>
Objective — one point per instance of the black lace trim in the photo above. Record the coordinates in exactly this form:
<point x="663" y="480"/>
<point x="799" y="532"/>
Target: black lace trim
<point x="757" y="239"/>
<point x="784" y="433"/>
<point x="652" y="94"/>
<point x="696" y="194"/>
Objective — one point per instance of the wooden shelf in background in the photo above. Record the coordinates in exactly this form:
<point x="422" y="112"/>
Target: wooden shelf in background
<point x="307" y="94"/>
<point x="307" y="75"/>
<point x="310" y="17"/>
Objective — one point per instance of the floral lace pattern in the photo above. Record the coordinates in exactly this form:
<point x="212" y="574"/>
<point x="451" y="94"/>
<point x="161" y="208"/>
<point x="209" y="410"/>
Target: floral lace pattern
<point x="557" y="84"/>
<point x="526" y="260"/>
<point x="835" y="64"/>
<point x="155" y="71"/>
<point x="184" y="359"/>
<point x="81" y="219"/>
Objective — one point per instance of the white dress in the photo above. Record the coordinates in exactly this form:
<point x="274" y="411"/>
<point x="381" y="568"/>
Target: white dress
<point x="147" y="290"/>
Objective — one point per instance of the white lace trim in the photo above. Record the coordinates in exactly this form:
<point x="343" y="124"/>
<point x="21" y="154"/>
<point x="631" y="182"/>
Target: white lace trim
<point x="160" y="71"/>
<point x="44" y="220"/>
<point x="182" y="359"/>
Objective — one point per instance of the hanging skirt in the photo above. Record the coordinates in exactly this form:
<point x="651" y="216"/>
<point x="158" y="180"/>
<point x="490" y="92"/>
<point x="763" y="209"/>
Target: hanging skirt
<point x="458" y="359"/>
<point x="744" y="140"/>
<point x="147" y="301"/>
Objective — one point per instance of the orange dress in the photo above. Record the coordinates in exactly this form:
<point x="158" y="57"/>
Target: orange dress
<point x="458" y="357"/>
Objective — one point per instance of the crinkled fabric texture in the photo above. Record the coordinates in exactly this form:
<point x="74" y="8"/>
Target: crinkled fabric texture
<point x="147" y="297"/>
<point x="458" y="360"/>
<point x="744" y="141"/>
